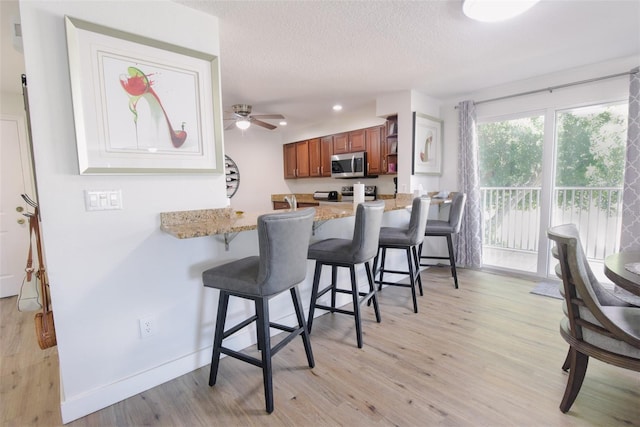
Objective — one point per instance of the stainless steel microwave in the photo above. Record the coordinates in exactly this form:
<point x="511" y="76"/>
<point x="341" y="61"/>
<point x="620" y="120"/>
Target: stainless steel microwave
<point x="349" y="165"/>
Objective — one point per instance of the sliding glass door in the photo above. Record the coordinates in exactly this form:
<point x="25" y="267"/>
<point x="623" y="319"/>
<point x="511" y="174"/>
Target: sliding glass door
<point x="550" y="168"/>
<point x="510" y="161"/>
<point x="589" y="173"/>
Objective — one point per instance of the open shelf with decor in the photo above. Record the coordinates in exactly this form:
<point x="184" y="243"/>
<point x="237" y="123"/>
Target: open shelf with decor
<point x="392" y="145"/>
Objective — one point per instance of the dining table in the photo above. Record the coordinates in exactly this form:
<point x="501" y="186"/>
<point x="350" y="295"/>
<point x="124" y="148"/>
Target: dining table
<point x="618" y="268"/>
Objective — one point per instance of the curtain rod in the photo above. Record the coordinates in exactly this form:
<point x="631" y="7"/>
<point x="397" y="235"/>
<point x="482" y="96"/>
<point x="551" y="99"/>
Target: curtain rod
<point x="552" y="88"/>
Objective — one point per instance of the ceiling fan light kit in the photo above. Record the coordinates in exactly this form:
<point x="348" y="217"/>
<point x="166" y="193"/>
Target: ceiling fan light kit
<point x="242" y="118"/>
<point x="495" y="10"/>
<point x="243" y="124"/>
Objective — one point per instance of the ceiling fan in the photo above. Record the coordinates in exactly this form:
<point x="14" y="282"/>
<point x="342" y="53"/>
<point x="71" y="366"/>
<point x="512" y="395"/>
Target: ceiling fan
<point x="242" y="118"/>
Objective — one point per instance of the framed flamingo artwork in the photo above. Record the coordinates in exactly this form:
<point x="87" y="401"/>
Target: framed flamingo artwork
<point x="142" y="106"/>
<point x="427" y="144"/>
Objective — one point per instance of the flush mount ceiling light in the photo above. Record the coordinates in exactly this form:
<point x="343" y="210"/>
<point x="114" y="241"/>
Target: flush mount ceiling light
<point x="243" y="124"/>
<point x="495" y="10"/>
<point x="283" y="123"/>
<point x="337" y="107"/>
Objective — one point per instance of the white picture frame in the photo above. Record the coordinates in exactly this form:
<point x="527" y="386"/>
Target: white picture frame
<point x="142" y="106"/>
<point x="427" y="144"/>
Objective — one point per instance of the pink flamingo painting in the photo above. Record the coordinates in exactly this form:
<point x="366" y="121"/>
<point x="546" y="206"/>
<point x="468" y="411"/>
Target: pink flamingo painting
<point x="138" y="85"/>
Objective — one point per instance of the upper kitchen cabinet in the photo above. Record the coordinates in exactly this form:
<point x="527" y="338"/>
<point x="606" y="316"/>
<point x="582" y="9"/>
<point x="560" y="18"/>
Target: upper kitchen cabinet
<point x="320" y="151"/>
<point x="349" y="142"/>
<point x="296" y="160"/>
<point x="373" y="143"/>
<point x="312" y="158"/>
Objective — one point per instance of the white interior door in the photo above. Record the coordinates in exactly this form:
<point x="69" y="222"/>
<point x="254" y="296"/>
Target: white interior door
<point x="15" y="179"/>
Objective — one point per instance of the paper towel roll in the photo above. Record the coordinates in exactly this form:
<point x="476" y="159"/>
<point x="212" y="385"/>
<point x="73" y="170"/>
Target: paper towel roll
<point x="358" y="193"/>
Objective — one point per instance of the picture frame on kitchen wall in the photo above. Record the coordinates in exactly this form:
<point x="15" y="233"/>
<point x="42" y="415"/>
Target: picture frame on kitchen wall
<point x="142" y="106"/>
<point x="427" y="144"/>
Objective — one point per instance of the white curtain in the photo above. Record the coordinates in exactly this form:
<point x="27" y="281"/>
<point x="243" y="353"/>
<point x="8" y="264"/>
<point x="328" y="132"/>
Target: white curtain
<point x="469" y="247"/>
<point x="630" y="236"/>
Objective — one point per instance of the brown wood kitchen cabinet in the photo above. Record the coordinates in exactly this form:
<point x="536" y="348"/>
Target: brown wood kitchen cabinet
<point x="320" y="151"/>
<point x="285" y="205"/>
<point x="373" y="147"/>
<point x="312" y="158"/>
<point x="341" y="143"/>
<point x="349" y="142"/>
<point x="296" y="159"/>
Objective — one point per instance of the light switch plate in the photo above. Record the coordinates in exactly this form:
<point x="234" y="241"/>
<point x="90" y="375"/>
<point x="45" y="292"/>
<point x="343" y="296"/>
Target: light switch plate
<point x="102" y="200"/>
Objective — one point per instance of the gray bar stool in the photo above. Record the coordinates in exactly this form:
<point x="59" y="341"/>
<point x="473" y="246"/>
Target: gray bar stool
<point x="337" y="252"/>
<point x="447" y="229"/>
<point x="282" y="264"/>
<point x="407" y="239"/>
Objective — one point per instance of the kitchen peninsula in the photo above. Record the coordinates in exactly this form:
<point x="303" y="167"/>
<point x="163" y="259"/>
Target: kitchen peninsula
<point x="209" y="222"/>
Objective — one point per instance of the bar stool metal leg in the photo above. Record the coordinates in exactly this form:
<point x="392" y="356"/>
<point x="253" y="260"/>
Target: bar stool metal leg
<point x="452" y="260"/>
<point x="264" y="339"/>
<point x="314" y="294"/>
<point x="356" y="304"/>
<point x="416" y="260"/>
<point x="372" y="291"/>
<point x="297" y="304"/>
<point x="223" y="303"/>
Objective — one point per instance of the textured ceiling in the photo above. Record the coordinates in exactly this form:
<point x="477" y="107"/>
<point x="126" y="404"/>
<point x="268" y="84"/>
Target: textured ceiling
<point x="299" y="57"/>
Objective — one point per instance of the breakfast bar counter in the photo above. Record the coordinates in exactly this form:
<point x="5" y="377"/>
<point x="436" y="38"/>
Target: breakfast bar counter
<point x="224" y="221"/>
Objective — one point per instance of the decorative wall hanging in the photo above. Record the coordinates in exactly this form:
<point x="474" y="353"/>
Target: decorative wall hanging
<point x="427" y="144"/>
<point x="232" y="174"/>
<point x="142" y="105"/>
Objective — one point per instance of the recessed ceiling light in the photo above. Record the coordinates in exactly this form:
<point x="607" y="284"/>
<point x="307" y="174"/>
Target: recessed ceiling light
<point x="495" y="10"/>
<point x="283" y="123"/>
<point x="337" y="107"/>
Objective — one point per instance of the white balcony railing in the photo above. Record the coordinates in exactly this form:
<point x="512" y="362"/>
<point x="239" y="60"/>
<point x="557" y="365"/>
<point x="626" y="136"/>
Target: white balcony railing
<point x="511" y="217"/>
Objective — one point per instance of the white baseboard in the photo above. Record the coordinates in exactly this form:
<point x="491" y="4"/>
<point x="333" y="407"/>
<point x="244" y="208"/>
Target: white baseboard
<point x="102" y="397"/>
<point x="94" y="400"/>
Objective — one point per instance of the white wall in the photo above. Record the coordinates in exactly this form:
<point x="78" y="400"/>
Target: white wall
<point x="108" y="269"/>
<point x="258" y="154"/>
<point x="404" y="104"/>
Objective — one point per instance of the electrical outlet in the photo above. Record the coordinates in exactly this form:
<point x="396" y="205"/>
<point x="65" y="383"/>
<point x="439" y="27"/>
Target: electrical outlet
<point x="147" y="326"/>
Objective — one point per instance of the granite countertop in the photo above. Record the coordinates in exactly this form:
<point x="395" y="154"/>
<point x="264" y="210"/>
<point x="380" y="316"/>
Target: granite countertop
<point x="209" y="222"/>
<point x="308" y="198"/>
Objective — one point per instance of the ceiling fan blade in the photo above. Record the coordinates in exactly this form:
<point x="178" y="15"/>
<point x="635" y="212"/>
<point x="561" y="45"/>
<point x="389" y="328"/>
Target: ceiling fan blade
<point x="230" y="125"/>
<point x="268" y="116"/>
<point x="262" y="124"/>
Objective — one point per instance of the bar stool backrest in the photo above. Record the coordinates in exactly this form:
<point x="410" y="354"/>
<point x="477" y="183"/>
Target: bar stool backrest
<point x="418" y="220"/>
<point x="283" y="241"/>
<point x="366" y="232"/>
<point x="457" y="209"/>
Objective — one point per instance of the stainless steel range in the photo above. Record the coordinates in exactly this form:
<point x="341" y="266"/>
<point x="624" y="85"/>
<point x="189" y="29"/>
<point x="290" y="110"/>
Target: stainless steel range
<point x="369" y="193"/>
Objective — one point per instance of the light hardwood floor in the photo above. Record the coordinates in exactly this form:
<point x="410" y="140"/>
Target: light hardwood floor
<point x="487" y="354"/>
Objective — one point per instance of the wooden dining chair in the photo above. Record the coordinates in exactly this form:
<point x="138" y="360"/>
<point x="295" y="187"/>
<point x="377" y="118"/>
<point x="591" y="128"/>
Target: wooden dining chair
<point x="610" y="333"/>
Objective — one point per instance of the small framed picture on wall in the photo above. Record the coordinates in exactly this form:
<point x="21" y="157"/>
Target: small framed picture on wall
<point x="427" y="144"/>
<point x="394" y="147"/>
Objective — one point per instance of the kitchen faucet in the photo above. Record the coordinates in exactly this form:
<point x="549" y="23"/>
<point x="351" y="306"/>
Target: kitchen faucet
<point x="293" y="203"/>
